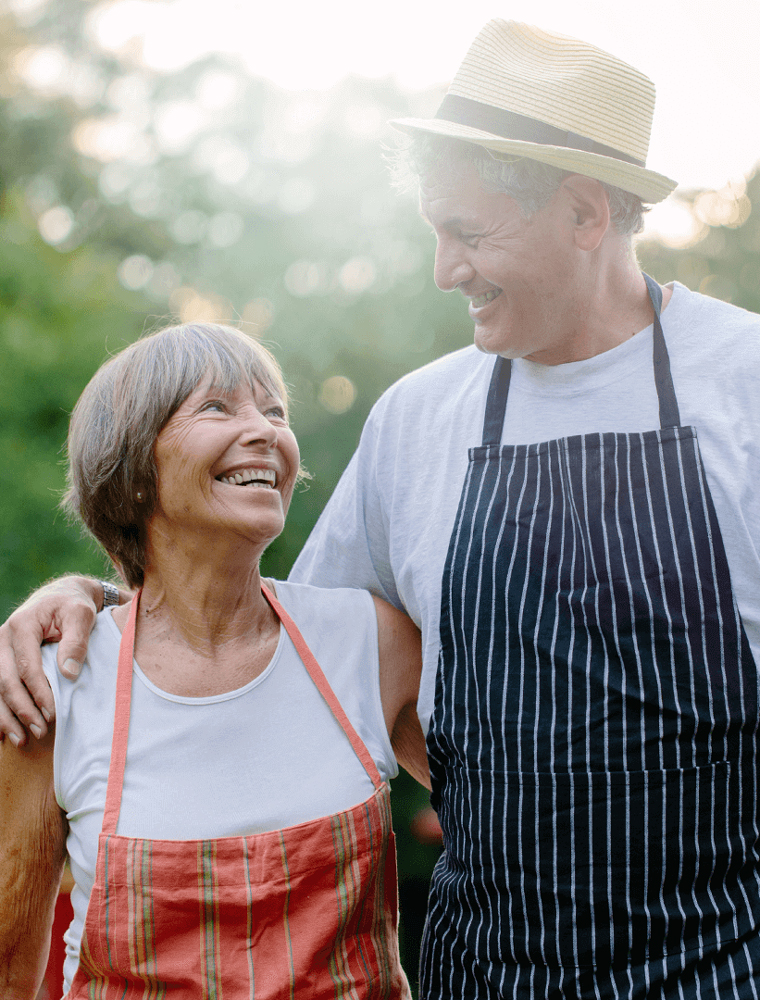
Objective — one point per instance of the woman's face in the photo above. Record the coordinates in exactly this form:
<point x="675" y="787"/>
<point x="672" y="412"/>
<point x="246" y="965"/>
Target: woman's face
<point x="227" y="462"/>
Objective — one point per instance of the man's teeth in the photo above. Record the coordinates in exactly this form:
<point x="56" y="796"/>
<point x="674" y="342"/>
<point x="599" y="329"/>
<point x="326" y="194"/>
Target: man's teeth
<point x="265" y="478"/>
<point x="483" y="300"/>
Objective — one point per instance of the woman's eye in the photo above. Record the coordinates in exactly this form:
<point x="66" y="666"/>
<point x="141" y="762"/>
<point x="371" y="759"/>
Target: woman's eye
<point x="471" y="239"/>
<point x="275" y="413"/>
<point x="214" y="404"/>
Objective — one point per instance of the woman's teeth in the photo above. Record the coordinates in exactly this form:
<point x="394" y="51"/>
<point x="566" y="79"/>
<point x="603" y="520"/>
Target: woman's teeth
<point x="266" y="478"/>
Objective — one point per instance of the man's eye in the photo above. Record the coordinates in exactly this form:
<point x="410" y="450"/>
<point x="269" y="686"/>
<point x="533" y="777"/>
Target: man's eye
<point x="470" y="239"/>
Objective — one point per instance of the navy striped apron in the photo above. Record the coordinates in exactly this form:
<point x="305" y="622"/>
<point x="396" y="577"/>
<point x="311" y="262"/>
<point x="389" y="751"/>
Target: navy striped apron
<point x="594" y="739"/>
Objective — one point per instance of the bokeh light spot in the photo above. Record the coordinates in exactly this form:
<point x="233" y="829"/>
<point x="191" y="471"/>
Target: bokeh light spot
<point x="164" y="281"/>
<point x="217" y="89"/>
<point x="258" y="315"/>
<point x="305" y="277"/>
<point x="108" y="139"/>
<point x="43" y="67"/>
<point x="193" y="307"/>
<point x="357" y="275"/>
<point x="114" y="25"/>
<point x="337" y="394"/>
<point x="135" y="272"/>
<point x="673" y="223"/>
<point x="55" y="224"/>
<point x="176" y="124"/>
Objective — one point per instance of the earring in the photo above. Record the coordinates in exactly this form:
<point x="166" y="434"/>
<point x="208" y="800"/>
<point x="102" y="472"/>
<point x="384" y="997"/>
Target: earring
<point x="139" y="497"/>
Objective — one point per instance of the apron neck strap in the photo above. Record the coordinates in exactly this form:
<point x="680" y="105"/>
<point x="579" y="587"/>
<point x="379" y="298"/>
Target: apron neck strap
<point x="663" y="380"/>
<point x="496" y="403"/>
<point x="498" y="390"/>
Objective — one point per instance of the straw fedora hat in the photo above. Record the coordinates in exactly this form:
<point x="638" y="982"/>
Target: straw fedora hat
<point x="522" y="91"/>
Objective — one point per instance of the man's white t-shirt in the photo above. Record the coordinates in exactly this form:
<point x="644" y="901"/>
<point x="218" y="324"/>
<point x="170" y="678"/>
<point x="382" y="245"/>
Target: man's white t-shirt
<point x="388" y="524"/>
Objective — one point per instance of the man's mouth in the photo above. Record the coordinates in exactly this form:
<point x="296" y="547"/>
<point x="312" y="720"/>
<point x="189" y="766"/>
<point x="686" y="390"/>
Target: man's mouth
<point x="265" y="478"/>
<point x="478" y="301"/>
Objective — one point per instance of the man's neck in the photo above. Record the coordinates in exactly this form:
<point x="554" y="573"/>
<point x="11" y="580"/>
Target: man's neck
<point x="611" y="308"/>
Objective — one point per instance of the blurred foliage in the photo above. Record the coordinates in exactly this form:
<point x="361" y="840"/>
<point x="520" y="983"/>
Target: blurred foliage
<point x="722" y="257"/>
<point x="129" y="198"/>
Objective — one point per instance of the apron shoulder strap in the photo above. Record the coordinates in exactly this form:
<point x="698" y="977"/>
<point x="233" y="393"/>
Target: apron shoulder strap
<point x="121" y="721"/>
<point x="323" y="686"/>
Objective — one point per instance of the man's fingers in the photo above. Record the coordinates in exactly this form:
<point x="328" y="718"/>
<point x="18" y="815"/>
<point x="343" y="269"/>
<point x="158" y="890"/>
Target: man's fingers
<point x="18" y="708"/>
<point x="62" y="610"/>
<point x="11" y="728"/>
<point x="39" y="709"/>
<point x="76" y="623"/>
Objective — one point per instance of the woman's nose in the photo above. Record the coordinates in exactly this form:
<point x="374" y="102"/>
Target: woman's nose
<point x="256" y="427"/>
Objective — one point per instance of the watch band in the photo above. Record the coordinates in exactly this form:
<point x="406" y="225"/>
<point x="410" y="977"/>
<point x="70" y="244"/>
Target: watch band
<point x="110" y="594"/>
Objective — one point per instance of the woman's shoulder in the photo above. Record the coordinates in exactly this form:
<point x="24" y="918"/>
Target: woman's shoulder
<point x="100" y="662"/>
<point x="331" y="618"/>
<point x="332" y="603"/>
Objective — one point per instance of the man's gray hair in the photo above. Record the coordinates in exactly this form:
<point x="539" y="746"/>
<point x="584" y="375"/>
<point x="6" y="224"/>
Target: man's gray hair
<point x="121" y="412"/>
<point x="530" y="183"/>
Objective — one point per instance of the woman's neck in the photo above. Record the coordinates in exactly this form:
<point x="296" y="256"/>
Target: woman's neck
<point x="206" y="595"/>
<point x="203" y="630"/>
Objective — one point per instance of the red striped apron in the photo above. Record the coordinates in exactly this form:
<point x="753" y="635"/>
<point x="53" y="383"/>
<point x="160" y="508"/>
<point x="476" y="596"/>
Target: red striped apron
<point x="307" y="911"/>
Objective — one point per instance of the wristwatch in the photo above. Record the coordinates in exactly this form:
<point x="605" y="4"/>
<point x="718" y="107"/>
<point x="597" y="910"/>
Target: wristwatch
<point x="110" y="594"/>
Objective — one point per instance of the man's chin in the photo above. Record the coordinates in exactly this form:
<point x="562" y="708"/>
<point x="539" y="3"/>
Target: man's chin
<point x="492" y="345"/>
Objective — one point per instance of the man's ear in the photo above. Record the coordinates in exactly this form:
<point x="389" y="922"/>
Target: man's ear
<point x="591" y="208"/>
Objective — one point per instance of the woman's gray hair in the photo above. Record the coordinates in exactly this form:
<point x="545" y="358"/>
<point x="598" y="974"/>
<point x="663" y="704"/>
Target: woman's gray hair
<point x="530" y="183"/>
<point x="121" y="412"/>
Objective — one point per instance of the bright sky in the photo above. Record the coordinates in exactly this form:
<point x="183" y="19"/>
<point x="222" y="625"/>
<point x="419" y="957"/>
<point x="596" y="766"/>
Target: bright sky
<point x="701" y="54"/>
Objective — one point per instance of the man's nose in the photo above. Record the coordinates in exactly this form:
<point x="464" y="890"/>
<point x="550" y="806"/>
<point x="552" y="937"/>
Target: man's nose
<point x="451" y="266"/>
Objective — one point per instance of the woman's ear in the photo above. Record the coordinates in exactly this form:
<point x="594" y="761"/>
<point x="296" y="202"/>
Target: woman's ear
<point x="591" y="209"/>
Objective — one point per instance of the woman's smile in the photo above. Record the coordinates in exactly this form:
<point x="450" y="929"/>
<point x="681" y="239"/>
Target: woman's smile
<point x="266" y="478"/>
<point x="217" y="442"/>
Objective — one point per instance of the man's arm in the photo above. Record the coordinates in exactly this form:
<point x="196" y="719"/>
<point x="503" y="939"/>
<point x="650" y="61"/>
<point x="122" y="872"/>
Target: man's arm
<point x="348" y="546"/>
<point x="32" y="855"/>
<point x="62" y="611"/>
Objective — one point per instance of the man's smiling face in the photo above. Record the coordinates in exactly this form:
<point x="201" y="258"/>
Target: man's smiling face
<point x="517" y="272"/>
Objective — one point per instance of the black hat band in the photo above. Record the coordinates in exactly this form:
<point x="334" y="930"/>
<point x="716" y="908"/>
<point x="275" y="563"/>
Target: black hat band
<point x="509" y="125"/>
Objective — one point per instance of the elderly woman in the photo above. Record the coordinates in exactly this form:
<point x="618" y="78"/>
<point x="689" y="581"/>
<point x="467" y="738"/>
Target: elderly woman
<point x="218" y="774"/>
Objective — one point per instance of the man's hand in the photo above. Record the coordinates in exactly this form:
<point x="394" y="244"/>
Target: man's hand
<point x="62" y="611"/>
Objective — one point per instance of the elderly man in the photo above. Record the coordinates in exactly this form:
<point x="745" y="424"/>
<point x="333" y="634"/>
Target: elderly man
<point x="574" y="525"/>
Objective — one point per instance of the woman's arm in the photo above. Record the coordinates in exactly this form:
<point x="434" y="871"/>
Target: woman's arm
<point x="32" y="855"/>
<point x="400" y="669"/>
